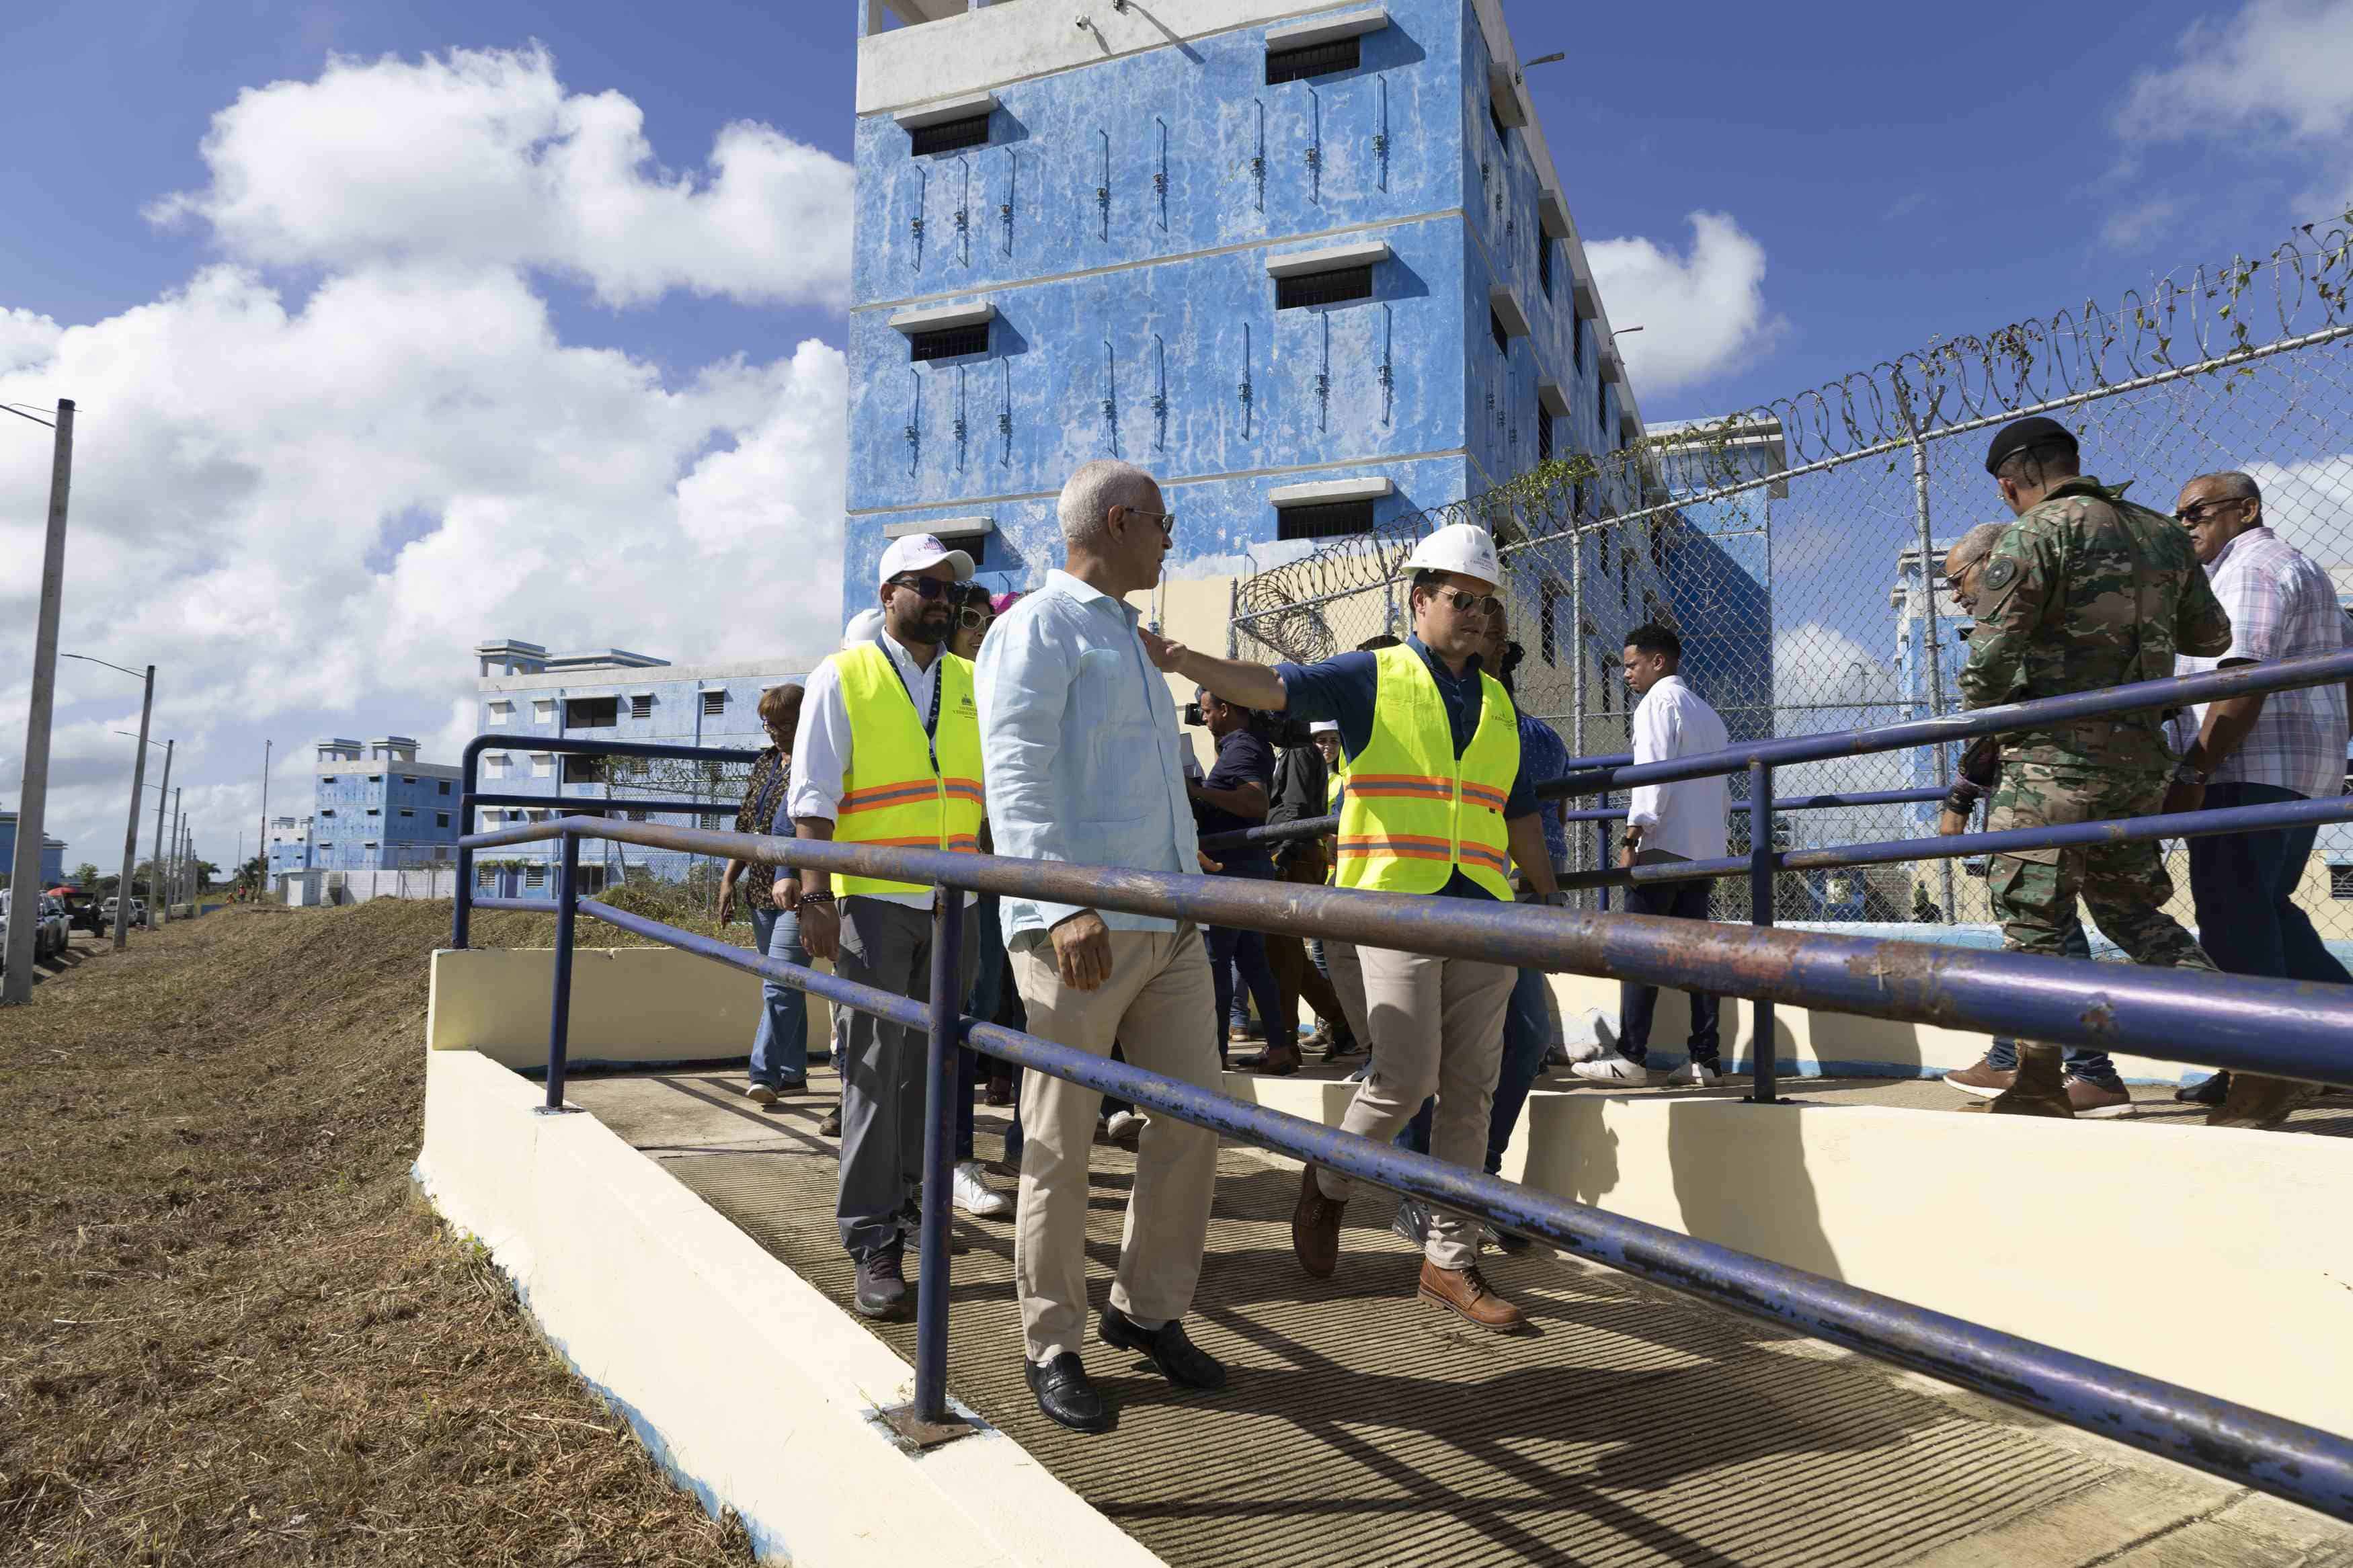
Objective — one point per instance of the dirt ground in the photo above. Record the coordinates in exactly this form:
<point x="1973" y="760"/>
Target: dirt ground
<point x="230" y="1331"/>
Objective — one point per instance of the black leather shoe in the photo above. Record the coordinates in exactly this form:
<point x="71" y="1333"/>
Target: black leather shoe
<point x="1180" y="1360"/>
<point x="882" y="1285"/>
<point x="1412" y="1222"/>
<point x="2207" y="1091"/>
<point x="1066" y="1396"/>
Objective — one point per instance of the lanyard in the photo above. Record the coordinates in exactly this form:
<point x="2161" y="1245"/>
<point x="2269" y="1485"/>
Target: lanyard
<point x="931" y="724"/>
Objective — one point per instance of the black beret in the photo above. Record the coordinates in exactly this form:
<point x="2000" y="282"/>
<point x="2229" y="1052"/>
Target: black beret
<point x="2021" y="434"/>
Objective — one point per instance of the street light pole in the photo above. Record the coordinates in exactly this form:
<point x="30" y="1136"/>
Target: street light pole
<point x="33" y="792"/>
<point x="155" y="861"/>
<point x="172" y="882"/>
<point x="138" y="787"/>
<point x="261" y="879"/>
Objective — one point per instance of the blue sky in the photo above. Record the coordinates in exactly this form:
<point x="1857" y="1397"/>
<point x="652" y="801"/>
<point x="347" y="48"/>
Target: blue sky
<point x="335" y="406"/>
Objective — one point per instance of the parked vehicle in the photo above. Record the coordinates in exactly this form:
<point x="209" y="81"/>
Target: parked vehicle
<point x="106" y="912"/>
<point x="49" y="935"/>
<point x="81" y="910"/>
<point x="56" y="925"/>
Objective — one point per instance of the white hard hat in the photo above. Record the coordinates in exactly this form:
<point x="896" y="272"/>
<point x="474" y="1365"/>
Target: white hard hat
<point x="864" y="626"/>
<point x="1325" y="727"/>
<point x="1461" y="547"/>
<point x="917" y="552"/>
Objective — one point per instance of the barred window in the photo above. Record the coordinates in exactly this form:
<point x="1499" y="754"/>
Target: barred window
<point x="1544" y="261"/>
<point x="2340" y="881"/>
<point x="1577" y="341"/>
<point x="641" y="706"/>
<point x="1544" y="435"/>
<point x="1323" y="522"/>
<point x="1495" y="330"/>
<point x="948" y="342"/>
<point x="1334" y="288"/>
<point x="949" y="135"/>
<point x="715" y="703"/>
<point x="1312" y="60"/>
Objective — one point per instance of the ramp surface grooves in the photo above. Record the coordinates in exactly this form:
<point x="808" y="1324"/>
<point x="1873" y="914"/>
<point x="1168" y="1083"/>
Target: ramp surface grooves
<point x="1364" y="1427"/>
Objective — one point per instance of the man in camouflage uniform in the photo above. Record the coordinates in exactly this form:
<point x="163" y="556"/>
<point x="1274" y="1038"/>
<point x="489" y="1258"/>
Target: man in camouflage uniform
<point x="2085" y="591"/>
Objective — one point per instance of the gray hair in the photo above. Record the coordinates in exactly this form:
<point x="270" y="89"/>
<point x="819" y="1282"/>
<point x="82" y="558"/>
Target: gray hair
<point x="2236" y="486"/>
<point x="1974" y="546"/>
<point x="1097" y="487"/>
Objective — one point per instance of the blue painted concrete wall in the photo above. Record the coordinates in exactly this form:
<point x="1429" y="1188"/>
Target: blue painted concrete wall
<point x="374" y="815"/>
<point x="677" y="716"/>
<point x="1136" y="317"/>
<point x="53" y="853"/>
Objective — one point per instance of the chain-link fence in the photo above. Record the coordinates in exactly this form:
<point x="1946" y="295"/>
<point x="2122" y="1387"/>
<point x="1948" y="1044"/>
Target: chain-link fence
<point x="1797" y="548"/>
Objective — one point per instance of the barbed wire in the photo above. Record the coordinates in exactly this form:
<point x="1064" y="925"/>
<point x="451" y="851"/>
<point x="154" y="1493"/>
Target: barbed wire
<point x="2215" y="318"/>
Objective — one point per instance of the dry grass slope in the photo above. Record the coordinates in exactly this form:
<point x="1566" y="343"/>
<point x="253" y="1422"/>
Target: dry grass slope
<point x="229" y="1331"/>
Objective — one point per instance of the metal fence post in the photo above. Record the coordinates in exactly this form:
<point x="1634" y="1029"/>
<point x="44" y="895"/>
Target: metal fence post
<point x="1760" y="912"/>
<point x="462" y="907"/>
<point x="939" y="1149"/>
<point x="559" y="1008"/>
<point x="1932" y="636"/>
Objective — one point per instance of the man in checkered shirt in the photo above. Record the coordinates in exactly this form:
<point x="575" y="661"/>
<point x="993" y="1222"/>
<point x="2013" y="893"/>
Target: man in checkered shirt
<point x="2254" y="751"/>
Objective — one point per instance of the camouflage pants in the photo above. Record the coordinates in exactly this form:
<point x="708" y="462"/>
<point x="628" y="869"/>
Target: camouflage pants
<point x="2125" y="885"/>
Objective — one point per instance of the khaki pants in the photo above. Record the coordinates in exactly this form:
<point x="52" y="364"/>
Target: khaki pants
<point x="1437" y="1028"/>
<point x="1349" y="981"/>
<point x="1157" y="1003"/>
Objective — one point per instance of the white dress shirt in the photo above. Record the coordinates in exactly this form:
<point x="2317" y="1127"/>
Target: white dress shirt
<point x="2281" y="605"/>
<point x="1686" y="818"/>
<point x="1079" y="748"/>
<point x="823" y="746"/>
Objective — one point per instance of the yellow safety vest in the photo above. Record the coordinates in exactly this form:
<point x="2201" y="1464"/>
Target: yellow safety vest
<point x="1414" y="811"/>
<point x="892" y="794"/>
<point x="1339" y="781"/>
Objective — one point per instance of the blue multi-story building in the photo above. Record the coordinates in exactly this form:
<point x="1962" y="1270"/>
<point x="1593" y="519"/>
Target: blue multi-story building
<point x="1310" y="265"/>
<point x="375" y="808"/>
<point x="526" y="693"/>
<point x="53" y="852"/>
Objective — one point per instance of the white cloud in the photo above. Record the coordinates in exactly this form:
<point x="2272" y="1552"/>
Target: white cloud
<point x="2277" y="72"/>
<point x="306" y="507"/>
<point x="482" y="158"/>
<point x="2136" y="224"/>
<point x="1702" y="312"/>
<point x="2310" y="505"/>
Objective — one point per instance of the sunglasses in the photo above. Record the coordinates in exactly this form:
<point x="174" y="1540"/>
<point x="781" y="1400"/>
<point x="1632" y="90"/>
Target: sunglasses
<point x="1166" y="519"/>
<point x="1485" y="604"/>
<point x="969" y="619"/>
<point x="926" y="588"/>
<point x="2194" y="515"/>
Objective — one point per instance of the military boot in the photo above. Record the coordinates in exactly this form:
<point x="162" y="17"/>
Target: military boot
<point x="2256" y="1101"/>
<point x="2040" y="1088"/>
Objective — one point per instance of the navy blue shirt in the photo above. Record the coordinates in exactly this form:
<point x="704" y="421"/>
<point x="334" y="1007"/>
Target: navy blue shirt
<point x="1243" y="757"/>
<point x="1344" y="690"/>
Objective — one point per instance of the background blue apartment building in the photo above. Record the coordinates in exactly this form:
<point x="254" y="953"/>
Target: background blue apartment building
<point x="374" y="809"/>
<point x="1310" y="265"/>
<point x="53" y="851"/>
<point x="525" y="694"/>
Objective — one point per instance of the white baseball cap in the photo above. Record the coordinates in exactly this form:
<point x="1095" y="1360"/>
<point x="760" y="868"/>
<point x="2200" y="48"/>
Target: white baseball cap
<point x="919" y="551"/>
<point x="1325" y="727"/>
<point x="1459" y="547"/>
<point x="864" y="626"/>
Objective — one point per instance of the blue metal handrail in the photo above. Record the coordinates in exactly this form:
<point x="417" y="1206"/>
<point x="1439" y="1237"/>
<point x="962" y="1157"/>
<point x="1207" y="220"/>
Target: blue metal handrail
<point x="2287" y="1458"/>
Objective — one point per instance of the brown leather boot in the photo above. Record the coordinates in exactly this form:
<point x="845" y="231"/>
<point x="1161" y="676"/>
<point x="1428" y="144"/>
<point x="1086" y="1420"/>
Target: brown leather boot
<point x="2255" y="1101"/>
<point x="2040" y="1088"/>
<point x="1315" y="1227"/>
<point x="1465" y="1291"/>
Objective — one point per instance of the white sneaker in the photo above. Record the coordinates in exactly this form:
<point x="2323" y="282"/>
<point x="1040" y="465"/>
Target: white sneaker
<point x="1695" y="1075"/>
<point x="1125" y="1128"/>
<point x="1612" y="1068"/>
<point x="977" y="1197"/>
<point x="759" y="1094"/>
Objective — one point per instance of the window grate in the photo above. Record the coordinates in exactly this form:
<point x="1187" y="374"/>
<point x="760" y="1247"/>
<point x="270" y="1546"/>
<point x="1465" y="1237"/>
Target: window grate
<point x="1495" y="119"/>
<point x="1495" y="330"/>
<point x="949" y="135"/>
<point x="715" y="703"/>
<point x="641" y="706"/>
<point x="1544" y="261"/>
<point x="1313" y="59"/>
<point x="948" y="342"/>
<point x="1576" y="344"/>
<point x="1544" y="436"/>
<point x="1323" y="288"/>
<point x="1326" y="521"/>
<point x="2340" y="881"/>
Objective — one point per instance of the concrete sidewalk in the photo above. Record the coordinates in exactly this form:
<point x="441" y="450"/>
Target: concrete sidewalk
<point x="1634" y="1426"/>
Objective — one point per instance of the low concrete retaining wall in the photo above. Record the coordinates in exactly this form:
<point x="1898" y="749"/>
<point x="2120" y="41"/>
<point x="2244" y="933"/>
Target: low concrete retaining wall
<point x="746" y="1381"/>
<point x="629" y="1005"/>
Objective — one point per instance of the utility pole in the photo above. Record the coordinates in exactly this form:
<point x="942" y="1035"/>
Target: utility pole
<point x="155" y="860"/>
<point x="33" y="792"/>
<point x="262" y="880"/>
<point x="130" y="829"/>
<point x="173" y="882"/>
